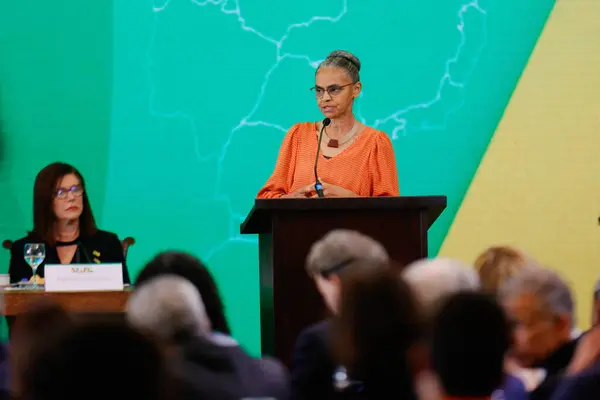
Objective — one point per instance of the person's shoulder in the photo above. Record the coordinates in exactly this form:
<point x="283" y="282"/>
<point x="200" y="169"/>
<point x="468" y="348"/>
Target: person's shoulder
<point x="19" y="243"/>
<point x="314" y="336"/>
<point x="108" y="241"/>
<point x="274" y="371"/>
<point x="266" y="373"/>
<point x="301" y="129"/>
<point x="104" y="236"/>
<point x="319" y="329"/>
<point x="271" y="366"/>
<point x="376" y="134"/>
<point x="304" y="126"/>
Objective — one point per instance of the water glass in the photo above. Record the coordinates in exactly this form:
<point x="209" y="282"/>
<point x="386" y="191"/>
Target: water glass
<point x="35" y="253"/>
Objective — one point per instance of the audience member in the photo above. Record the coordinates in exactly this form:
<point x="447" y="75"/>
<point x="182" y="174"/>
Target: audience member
<point x="498" y="264"/>
<point x="192" y="269"/>
<point x="5" y="383"/>
<point x="43" y="322"/>
<point x="379" y="334"/>
<point x="541" y="309"/>
<point x="171" y="308"/>
<point x="313" y="369"/>
<point x="434" y="279"/>
<point x="97" y="361"/>
<point x="470" y="337"/>
<point x="596" y="304"/>
<point x="582" y="377"/>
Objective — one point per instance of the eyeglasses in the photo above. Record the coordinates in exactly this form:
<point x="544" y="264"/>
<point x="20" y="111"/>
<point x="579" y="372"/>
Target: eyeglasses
<point x="62" y="193"/>
<point x="333" y="90"/>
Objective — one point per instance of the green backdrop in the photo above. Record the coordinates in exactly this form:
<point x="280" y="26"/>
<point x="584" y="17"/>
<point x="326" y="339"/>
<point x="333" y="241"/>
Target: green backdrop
<point x="174" y="110"/>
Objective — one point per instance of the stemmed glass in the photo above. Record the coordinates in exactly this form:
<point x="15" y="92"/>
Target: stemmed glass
<point x="35" y="253"/>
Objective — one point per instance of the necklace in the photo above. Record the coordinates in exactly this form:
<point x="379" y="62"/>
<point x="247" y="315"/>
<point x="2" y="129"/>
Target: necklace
<point x="334" y="143"/>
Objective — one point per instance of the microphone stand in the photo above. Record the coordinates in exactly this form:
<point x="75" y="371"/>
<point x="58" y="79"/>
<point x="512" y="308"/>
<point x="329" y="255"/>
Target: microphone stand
<point x="318" y="184"/>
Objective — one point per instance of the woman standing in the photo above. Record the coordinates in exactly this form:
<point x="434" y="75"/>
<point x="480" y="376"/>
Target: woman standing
<point x="355" y="160"/>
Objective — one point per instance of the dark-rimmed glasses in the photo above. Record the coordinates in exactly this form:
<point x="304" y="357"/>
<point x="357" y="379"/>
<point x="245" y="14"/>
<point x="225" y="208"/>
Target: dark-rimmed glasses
<point x="333" y="90"/>
<point x="62" y="193"/>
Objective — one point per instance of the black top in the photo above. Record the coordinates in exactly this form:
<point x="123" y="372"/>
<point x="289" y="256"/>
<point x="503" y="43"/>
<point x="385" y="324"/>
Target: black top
<point x="101" y="247"/>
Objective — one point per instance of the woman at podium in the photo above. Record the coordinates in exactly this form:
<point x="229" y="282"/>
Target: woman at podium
<point x="64" y="223"/>
<point x="353" y="159"/>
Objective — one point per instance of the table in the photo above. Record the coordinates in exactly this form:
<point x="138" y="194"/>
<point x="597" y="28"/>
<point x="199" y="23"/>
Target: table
<point x="16" y="301"/>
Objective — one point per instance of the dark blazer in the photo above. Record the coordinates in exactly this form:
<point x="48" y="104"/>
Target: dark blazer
<point x="583" y="386"/>
<point x="101" y="247"/>
<point x="205" y="370"/>
<point x="554" y="365"/>
<point x="312" y="366"/>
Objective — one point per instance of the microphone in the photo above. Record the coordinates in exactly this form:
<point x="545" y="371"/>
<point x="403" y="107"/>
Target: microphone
<point x="318" y="185"/>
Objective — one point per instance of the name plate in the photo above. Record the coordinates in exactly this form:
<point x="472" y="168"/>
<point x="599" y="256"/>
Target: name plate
<point x="83" y="277"/>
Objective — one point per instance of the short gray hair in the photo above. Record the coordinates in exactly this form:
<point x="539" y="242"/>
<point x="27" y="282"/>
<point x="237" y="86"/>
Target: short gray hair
<point x="433" y="280"/>
<point x="551" y="290"/>
<point x="169" y="306"/>
<point x="342" y="246"/>
<point x="344" y="60"/>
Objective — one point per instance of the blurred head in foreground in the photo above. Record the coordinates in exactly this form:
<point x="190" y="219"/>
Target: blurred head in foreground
<point x="498" y="264"/>
<point x="378" y="331"/>
<point x="97" y="360"/>
<point x="338" y="252"/>
<point x="169" y="307"/>
<point x="434" y="279"/>
<point x="470" y="337"/>
<point x="43" y="322"/>
<point x="192" y="269"/>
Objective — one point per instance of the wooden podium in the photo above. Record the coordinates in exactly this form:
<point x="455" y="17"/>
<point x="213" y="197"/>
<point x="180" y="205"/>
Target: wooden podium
<point x="287" y="228"/>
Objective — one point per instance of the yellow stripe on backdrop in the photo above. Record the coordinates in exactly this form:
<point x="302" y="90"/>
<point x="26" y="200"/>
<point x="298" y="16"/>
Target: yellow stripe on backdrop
<point x="538" y="186"/>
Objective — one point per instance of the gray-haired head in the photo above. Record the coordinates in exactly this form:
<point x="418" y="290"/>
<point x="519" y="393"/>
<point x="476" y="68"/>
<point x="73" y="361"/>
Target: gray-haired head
<point x="549" y="288"/>
<point x="340" y="248"/>
<point x="170" y="307"/>
<point x="344" y="60"/>
<point x="434" y="279"/>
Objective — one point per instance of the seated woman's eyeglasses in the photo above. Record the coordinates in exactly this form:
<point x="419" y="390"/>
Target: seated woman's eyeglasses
<point x="62" y="193"/>
<point x="333" y="90"/>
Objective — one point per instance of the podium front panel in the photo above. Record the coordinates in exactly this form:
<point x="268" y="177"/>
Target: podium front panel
<point x="289" y="299"/>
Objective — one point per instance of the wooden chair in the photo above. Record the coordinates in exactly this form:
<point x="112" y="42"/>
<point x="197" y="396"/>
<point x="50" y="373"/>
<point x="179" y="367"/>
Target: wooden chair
<point x="125" y="243"/>
<point x="128" y="241"/>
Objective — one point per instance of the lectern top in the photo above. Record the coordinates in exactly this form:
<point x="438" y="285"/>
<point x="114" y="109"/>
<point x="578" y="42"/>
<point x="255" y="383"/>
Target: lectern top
<point x="259" y="218"/>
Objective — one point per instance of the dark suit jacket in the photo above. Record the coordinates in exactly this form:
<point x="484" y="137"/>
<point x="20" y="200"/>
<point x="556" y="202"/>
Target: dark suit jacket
<point x="102" y="247"/>
<point x="206" y="370"/>
<point x="312" y="366"/>
<point x="554" y="366"/>
<point x="583" y="386"/>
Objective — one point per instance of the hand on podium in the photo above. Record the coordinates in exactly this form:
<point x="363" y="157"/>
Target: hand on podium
<point x="330" y="190"/>
<point x="303" y="192"/>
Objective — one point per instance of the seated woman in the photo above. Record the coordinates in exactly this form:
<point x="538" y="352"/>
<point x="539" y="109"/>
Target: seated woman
<point x="355" y="160"/>
<point x="64" y="222"/>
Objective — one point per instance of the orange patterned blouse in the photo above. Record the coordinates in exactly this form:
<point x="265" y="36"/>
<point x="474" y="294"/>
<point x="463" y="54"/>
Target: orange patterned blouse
<point x="367" y="167"/>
